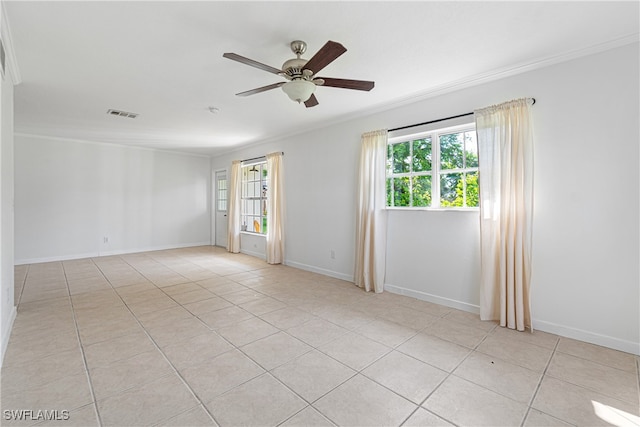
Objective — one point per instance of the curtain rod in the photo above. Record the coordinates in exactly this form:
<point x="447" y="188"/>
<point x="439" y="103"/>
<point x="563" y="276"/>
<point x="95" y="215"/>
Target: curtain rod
<point x="258" y="158"/>
<point x="439" y="120"/>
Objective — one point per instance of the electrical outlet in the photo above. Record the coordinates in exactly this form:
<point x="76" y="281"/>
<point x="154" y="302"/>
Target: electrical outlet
<point x="333" y="254"/>
<point x="105" y="240"/>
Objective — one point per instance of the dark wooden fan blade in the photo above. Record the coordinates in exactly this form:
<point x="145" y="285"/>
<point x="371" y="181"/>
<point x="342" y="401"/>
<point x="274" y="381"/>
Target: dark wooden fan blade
<point x="348" y="84"/>
<point x="311" y="102"/>
<point x="326" y="55"/>
<point x="251" y="62"/>
<point x="260" y="89"/>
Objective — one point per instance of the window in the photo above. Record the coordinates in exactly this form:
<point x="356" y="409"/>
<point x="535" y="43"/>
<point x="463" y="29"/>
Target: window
<point x="437" y="169"/>
<point x="221" y="193"/>
<point x="254" y="198"/>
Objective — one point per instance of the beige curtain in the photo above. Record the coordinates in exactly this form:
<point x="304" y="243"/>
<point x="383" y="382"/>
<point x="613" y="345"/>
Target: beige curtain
<point x="371" y="220"/>
<point x="275" y="209"/>
<point x="234" y="207"/>
<point x="505" y="155"/>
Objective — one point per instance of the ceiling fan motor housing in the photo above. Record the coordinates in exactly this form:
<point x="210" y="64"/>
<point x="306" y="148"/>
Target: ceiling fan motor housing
<point x="292" y="69"/>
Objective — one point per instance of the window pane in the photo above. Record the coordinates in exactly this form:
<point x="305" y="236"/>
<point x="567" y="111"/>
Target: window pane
<point x="401" y="157"/>
<point x="401" y="193"/>
<point x="451" y="190"/>
<point x="471" y="150"/>
<point x="451" y="151"/>
<point x="389" y="191"/>
<point x="421" y="191"/>
<point x="422" y="155"/>
<point x="472" y="190"/>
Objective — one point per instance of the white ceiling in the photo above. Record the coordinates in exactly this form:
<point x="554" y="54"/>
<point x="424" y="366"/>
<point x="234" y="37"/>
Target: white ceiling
<point x="164" y="60"/>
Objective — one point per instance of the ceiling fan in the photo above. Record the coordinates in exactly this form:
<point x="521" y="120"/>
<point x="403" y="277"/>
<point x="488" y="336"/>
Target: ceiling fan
<point x="301" y="73"/>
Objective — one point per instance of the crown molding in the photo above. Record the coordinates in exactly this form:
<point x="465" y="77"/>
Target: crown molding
<point x="7" y="41"/>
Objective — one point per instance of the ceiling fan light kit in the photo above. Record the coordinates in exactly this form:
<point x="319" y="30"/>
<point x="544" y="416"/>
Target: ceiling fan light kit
<point x="299" y="90"/>
<point x="300" y="73"/>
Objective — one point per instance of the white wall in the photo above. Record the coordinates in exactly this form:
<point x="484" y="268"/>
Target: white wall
<point x="586" y="250"/>
<point x="70" y="195"/>
<point x="7" y="308"/>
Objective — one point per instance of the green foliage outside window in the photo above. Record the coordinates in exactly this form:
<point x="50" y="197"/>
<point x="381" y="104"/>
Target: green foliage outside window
<point x="410" y="170"/>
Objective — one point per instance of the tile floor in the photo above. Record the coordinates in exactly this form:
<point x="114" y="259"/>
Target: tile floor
<point x="198" y="337"/>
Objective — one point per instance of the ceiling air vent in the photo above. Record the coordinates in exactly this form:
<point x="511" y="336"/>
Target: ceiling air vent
<point x="122" y="114"/>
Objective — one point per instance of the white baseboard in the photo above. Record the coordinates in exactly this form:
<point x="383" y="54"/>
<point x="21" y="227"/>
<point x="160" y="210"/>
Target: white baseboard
<point x="424" y="296"/>
<point x="319" y="270"/>
<point x="254" y="254"/>
<point x="6" y="333"/>
<point x="539" y="325"/>
<point x="590" y="337"/>
<point x="109" y="253"/>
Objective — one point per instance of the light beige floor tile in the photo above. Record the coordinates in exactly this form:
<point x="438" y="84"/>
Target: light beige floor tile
<point x="177" y="332"/>
<point x="386" y="332"/>
<point x="106" y="352"/>
<point x="134" y="288"/>
<point x="29" y="296"/>
<point x="196" y="417"/>
<point x="147" y="404"/>
<point x="459" y="333"/>
<point x="244" y="296"/>
<point x="424" y="418"/>
<point x="169" y="316"/>
<point x="406" y="376"/>
<point x="610" y="381"/>
<point x="22" y="350"/>
<point x="577" y="405"/>
<point x="181" y="289"/>
<point x="313" y="374"/>
<point x="346" y="317"/>
<point x="317" y="332"/>
<point x="465" y="403"/>
<point x="221" y="285"/>
<point x="225" y="317"/>
<point x="47" y="369"/>
<point x="527" y="355"/>
<point x="435" y="351"/>
<point x="308" y="417"/>
<point x="263" y="305"/>
<point x="500" y="376"/>
<point x="205" y="306"/>
<point x="538" y="338"/>
<point x="69" y="392"/>
<point x="287" y="317"/>
<point x="469" y="319"/>
<point x="266" y="402"/>
<point x="410" y="318"/>
<point x="143" y="296"/>
<point x="128" y="373"/>
<point x="193" y="296"/>
<point x="107" y="330"/>
<point x="247" y="331"/>
<point x="427" y="307"/>
<point x="81" y="417"/>
<point x="362" y="402"/>
<point x="155" y="304"/>
<point x="196" y="350"/>
<point x="539" y="419"/>
<point x="596" y="353"/>
<point x="220" y="374"/>
<point x="354" y="350"/>
<point x="275" y="350"/>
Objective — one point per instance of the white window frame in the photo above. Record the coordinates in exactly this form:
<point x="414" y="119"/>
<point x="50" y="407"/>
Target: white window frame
<point x="436" y="170"/>
<point x="245" y="199"/>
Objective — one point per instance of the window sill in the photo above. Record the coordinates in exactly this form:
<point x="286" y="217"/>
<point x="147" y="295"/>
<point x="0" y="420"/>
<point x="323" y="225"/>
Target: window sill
<point x="253" y="233"/>
<point x="397" y="208"/>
